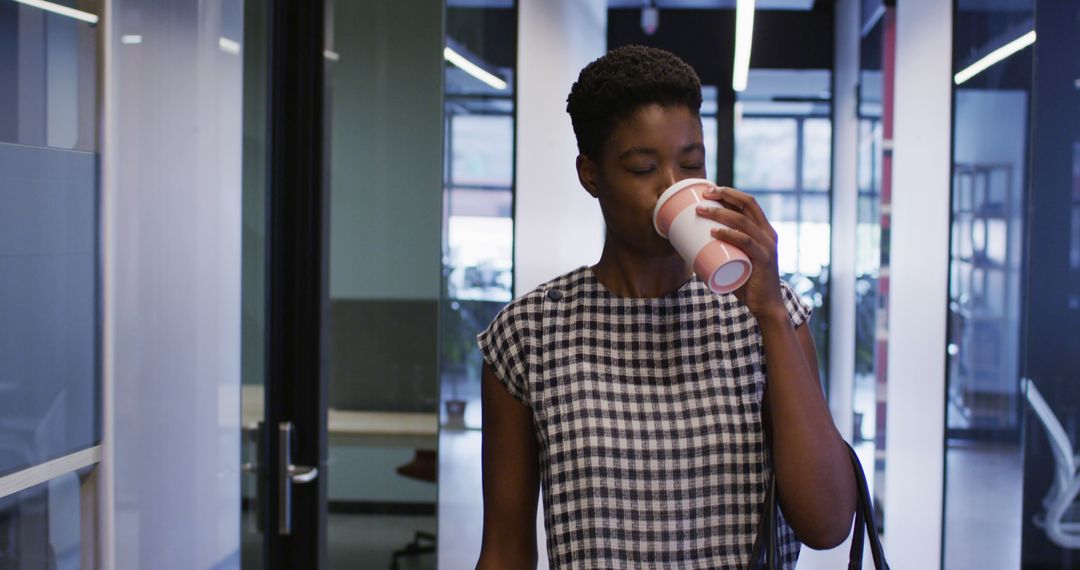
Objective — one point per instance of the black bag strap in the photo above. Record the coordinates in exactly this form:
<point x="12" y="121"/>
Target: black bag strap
<point x="865" y="512"/>
<point x="765" y="554"/>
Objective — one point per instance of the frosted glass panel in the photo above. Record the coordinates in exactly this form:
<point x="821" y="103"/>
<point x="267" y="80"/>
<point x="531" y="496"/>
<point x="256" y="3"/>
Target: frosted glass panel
<point x="174" y="259"/>
<point x="49" y="384"/>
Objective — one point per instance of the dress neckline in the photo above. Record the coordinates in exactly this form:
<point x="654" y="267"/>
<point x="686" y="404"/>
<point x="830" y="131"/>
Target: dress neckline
<point x="688" y="287"/>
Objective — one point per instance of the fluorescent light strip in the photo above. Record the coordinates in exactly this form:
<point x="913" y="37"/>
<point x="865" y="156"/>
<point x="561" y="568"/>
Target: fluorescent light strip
<point x="994" y="57"/>
<point x="229" y="46"/>
<point x="61" y="10"/>
<point x="331" y="55"/>
<point x="131" y="39"/>
<point x="744" y="37"/>
<point x="472" y="69"/>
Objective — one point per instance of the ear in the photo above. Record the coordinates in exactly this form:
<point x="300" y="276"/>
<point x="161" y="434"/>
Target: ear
<point x="588" y="172"/>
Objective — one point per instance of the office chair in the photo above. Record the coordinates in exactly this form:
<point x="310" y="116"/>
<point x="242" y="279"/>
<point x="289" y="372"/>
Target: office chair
<point x="1060" y="520"/>
<point x="423" y="467"/>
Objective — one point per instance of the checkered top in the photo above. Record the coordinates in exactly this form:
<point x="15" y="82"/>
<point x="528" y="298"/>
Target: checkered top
<point x="648" y="418"/>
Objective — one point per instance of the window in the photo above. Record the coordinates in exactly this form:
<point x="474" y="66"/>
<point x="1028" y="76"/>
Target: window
<point x="783" y="157"/>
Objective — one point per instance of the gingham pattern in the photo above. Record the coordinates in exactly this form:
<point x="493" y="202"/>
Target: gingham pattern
<point x="648" y="415"/>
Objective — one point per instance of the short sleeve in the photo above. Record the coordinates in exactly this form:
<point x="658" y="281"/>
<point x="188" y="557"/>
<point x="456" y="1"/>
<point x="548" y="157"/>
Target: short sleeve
<point x="509" y="344"/>
<point x="798" y="309"/>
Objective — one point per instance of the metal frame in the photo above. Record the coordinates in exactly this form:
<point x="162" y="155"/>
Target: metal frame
<point x="297" y="279"/>
<point x="43" y="472"/>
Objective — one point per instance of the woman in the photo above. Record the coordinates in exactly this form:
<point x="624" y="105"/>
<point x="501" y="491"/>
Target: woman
<point x="634" y="394"/>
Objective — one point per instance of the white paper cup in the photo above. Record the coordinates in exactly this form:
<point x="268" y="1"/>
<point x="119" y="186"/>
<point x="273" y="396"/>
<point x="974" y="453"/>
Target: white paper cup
<point x="722" y="266"/>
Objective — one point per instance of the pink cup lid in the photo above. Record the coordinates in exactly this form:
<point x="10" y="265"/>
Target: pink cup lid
<point x="671" y="191"/>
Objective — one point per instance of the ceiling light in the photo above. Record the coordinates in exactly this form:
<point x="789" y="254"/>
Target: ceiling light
<point x="61" y="10"/>
<point x="744" y="36"/>
<point x="994" y="57"/>
<point x="229" y="46"/>
<point x="472" y="69"/>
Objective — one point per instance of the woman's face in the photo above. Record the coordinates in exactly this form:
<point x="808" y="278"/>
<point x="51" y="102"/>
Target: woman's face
<point x="653" y="149"/>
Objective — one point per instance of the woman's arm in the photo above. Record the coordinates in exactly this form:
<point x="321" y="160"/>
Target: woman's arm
<point x="511" y="479"/>
<point x="815" y="481"/>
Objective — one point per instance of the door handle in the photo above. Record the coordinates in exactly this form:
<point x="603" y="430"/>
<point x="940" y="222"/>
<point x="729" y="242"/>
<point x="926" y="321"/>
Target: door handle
<point x="302" y="474"/>
<point x="289" y="474"/>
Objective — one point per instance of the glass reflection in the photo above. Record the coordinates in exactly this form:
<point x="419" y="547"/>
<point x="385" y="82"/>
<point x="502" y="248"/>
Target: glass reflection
<point x="982" y="516"/>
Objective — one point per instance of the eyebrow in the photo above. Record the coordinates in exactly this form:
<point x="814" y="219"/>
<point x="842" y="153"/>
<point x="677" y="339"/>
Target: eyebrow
<point x="652" y="152"/>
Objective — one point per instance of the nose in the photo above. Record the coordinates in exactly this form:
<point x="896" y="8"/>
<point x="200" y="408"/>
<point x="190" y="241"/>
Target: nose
<point x="670" y="176"/>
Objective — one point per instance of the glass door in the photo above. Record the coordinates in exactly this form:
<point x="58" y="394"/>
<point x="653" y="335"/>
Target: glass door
<point x="342" y="285"/>
<point x="283" y="398"/>
<point x="1012" y="488"/>
<point x="1050" y="341"/>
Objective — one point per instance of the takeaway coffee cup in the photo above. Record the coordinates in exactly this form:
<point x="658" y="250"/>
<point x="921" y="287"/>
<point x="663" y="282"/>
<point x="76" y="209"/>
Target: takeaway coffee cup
<point x="722" y="266"/>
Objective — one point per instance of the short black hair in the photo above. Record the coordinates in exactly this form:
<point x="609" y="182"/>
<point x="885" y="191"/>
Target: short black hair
<point x="616" y="85"/>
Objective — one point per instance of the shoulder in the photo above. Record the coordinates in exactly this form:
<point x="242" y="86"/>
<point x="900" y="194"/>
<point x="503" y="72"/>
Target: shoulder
<point x="528" y="308"/>
<point x="798" y="308"/>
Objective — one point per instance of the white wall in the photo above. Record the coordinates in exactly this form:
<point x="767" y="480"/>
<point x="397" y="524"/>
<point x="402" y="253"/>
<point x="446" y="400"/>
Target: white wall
<point x="558" y="226"/>
<point x="172" y="259"/>
<point x="919" y="273"/>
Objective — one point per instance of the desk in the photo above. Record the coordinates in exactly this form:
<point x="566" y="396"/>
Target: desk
<point x="366" y="429"/>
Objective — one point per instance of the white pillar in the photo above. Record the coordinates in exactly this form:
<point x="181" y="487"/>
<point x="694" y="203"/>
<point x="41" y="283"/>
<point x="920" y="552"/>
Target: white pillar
<point x="919" y="272"/>
<point x="844" y="213"/>
<point x="558" y="226"/>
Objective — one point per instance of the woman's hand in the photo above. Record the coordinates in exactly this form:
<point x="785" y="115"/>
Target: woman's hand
<point x="749" y="230"/>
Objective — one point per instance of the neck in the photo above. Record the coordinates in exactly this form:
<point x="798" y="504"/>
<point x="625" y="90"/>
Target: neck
<point x="629" y="273"/>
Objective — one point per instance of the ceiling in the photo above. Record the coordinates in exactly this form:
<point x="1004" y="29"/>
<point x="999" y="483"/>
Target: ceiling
<point x="714" y="4"/>
<point x="695" y="4"/>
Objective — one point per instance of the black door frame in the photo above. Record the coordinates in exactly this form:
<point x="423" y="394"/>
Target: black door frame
<point x="296" y="363"/>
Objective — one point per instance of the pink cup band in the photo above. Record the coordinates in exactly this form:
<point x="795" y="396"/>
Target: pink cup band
<point x="676" y="204"/>
<point x="716" y="255"/>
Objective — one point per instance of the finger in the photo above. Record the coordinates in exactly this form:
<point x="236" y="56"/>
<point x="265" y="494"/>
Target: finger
<point x="741" y="201"/>
<point x="739" y="221"/>
<point x="749" y="245"/>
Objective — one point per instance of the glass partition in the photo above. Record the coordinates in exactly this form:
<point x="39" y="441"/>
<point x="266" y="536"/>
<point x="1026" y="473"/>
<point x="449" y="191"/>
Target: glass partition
<point x="49" y="179"/>
<point x="50" y="309"/>
<point x="1014" y="291"/>
<point x="990" y="174"/>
